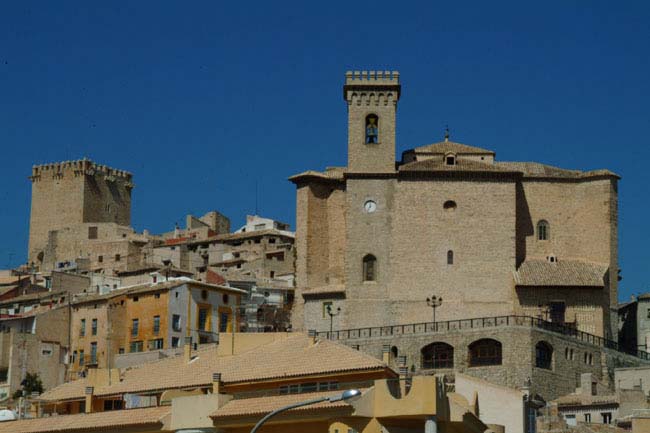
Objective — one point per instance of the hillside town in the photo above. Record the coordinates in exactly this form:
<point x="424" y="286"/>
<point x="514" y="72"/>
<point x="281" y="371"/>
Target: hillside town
<point x="440" y="290"/>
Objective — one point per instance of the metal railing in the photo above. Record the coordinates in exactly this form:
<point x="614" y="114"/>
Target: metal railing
<point x="478" y="323"/>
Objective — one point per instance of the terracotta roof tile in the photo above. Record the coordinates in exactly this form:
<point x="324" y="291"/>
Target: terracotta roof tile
<point x="462" y="165"/>
<point x="443" y="147"/>
<point x="259" y="405"/>
<point x="99" y="421"/>
<point x="535" y="169"/>
<point x="286" y="358"/>
<point x="564" y="272"/>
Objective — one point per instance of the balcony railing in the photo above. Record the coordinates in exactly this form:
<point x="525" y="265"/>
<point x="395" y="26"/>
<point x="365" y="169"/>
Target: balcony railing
<point x="568" y="329"/>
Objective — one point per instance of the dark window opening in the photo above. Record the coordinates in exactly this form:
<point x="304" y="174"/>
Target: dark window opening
<point x="449" y="205"/>
<point x="369" y="268"/>
<point x="543" y="230"/>
<point x="437" y="355"/>
<point x="450" y="257"/>
<point x="543" y="355"/>
<point x="92" y="232"/>
<point x="485" y="352"/>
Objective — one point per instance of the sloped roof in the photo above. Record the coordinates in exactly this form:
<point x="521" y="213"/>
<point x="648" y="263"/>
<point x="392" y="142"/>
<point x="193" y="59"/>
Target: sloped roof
<point x="587" y="400"/>
<point x="99" y="421"/>
<point x="563" y="273"/>
<point x="290" y="357"/>
<point x="321" y="290"/>
<point x="261" y="405"/>
<point x="462" y="165"/>
<point x="443" y="147"/>
<point x="536" y="169"/>
<point x="331" y="174"/>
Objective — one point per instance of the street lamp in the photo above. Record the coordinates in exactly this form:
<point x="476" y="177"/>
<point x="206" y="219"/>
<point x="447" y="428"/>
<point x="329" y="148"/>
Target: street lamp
<point x="434" y="302"/>
<point x="332" y="315"/>
<point x="346" y="395"/>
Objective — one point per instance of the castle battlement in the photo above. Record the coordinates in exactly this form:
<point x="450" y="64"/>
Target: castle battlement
<point x="365" y="78"/>
<point x="77" y="168"/>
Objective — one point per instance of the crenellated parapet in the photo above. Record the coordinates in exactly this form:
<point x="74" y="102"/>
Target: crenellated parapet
<point x="371" y="87"/>
<point x="78" y="168"/>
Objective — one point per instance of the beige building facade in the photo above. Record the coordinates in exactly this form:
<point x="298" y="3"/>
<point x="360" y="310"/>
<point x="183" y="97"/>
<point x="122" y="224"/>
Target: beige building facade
<point x="376" y="238"/>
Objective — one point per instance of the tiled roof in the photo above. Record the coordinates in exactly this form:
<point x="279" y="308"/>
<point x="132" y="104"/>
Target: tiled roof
<point x="36" y="296"/>
<point x="260" y="405"/>
<point x="535" y="169"/>
<point x="462" y="165"/>
<point x="9" y="279"/>
<point x="98" y="421"/>
<point x="332" y="173"/>
<point x="563" y="272"/>
<point x="290" y="357"/>
<point x="443" y="147"/>
<point x="587" y="400"/>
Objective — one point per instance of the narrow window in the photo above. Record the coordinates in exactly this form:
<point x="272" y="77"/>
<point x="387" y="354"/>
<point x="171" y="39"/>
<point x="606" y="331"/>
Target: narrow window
<point x="543" y="355"/>
<point x="92" y="232"/>
<point x="94" y="327"/>
<point x="134" y="327"/>
<point x="543" y="230"/>
<point x="117" y="257"/>
<point x="176" y="323"/>
<point x="450" y="257"/>
<point x="82" y="328"/>
<point x="93" y="353"/>
<point x="369" y="268"/>
<point x="100" y="259"/>
<point x="81" y="358"/>
<point x="372" y="129"/>
<point x="156" y="325"/>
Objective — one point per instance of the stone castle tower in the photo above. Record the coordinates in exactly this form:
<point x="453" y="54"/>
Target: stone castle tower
<point x="372" y="103"/>
<point x="66" y="194"/>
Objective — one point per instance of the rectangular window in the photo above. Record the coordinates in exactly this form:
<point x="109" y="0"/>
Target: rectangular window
<point x="587" y="417"/>
<point x="82" y="328"/>
<point x="176" y="323"/>
<point x="156" y="325"/>
<point x="202" y="323"/>
<point x="156" y="344"/>
<point x="121" y="350"/>
<point x="93" y="327"/>
<point x="648" y="313"/>
<point x="92" y="232"/>
<point x="93" y="353"/>
<point x="134" y="327"/>
<point x="570" y="420"/>
<point x="224" y="320"/>
<point x="100" y="259"/>
<point x="81" y="358"/>
<point x="135" y="346"/>
<point x="74" y="357"/>
<point x="176" y="342"/>
<point x="117" y="257"/>
<point x="607" y="417"/>
<point x="325" y="309"/>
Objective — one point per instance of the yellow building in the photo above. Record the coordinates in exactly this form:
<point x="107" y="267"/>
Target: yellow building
<point x="146" y="317"/>
<point x="230" y="386"/>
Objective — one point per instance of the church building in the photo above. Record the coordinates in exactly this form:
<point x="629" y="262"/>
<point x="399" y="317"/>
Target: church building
<point x="447" y="220"/>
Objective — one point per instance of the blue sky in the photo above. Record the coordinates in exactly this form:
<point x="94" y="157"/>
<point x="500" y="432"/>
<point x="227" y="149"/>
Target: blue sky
<point x="202" y="100"/>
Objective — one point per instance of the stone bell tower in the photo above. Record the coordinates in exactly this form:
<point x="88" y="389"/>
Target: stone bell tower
<point x="372" y="102"/>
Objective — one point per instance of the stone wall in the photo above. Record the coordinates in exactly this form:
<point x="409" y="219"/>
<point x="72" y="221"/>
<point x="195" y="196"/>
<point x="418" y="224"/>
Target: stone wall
<point x="571" y="356"/>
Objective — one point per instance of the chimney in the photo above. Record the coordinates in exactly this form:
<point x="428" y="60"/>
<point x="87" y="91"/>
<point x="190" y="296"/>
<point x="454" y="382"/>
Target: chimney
<point x="187" y="349"/>
<point x="216" y="383"/>
<point x="312" y="336"/>
<point x="89" y="399"/>
<point x="385" y="353"/>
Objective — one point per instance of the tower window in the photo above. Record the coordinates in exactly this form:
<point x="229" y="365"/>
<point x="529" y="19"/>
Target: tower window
<point x="450" y="159"/>
<point x="450" y="257"/>
<point x="543" y="230"/>
<point x="369" y="268"/>
<point x="449" y="205"/>
<point x="372" y="129"/>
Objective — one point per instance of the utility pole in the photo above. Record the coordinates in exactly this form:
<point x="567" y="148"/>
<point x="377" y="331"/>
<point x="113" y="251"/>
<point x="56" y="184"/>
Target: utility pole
<point x="332" y="315"/>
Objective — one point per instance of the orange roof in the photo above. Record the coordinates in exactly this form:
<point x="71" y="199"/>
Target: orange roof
<point x="259" y="405"/>
<point x="100" y="421"/>
<point x="282" y="359"/>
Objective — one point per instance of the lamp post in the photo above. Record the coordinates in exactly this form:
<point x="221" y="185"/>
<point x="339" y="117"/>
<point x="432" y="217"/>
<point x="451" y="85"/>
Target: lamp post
<point x="434" y="302"/>
<point x="332" y="315"/>
<point x="346" y="395"/>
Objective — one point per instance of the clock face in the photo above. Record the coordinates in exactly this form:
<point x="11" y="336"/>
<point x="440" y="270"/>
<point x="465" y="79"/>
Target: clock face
<point x="370" y="206"/>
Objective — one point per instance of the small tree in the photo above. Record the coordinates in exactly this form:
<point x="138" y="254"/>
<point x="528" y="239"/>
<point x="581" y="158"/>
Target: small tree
<point x="31" y="383"/>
